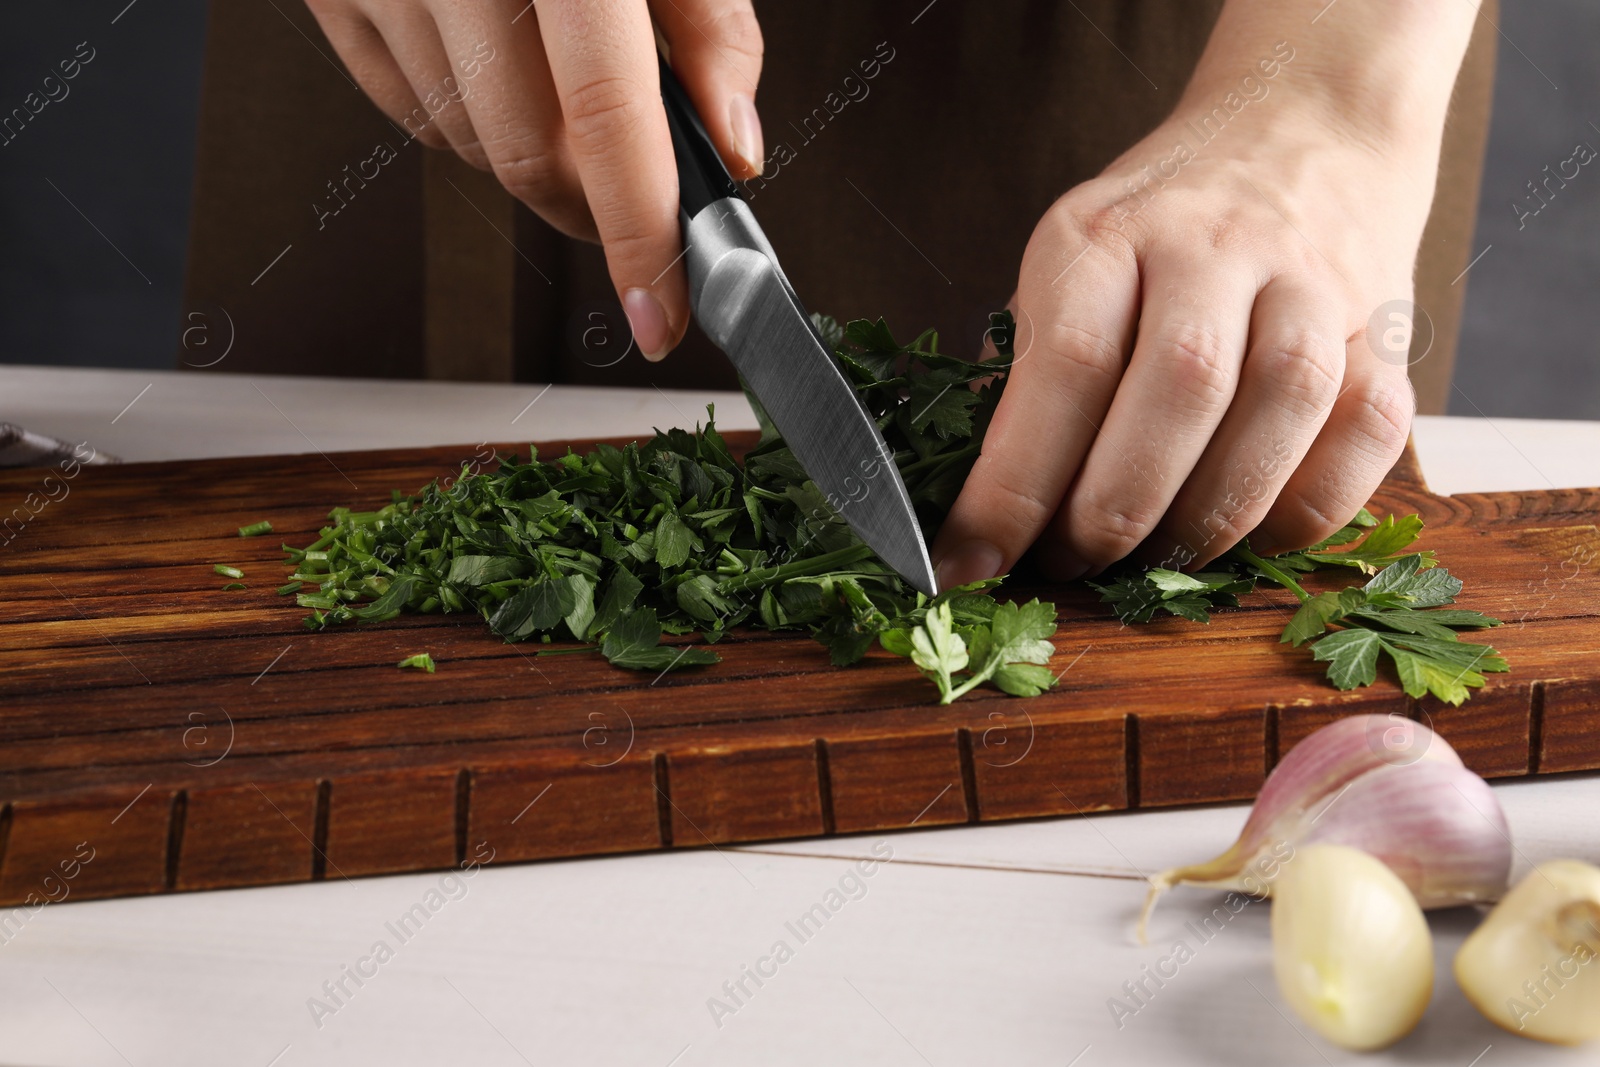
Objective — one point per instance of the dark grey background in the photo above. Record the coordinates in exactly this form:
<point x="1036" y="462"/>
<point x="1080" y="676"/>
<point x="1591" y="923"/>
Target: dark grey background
<point x="91" y="266"/>
<point x="1529" y="344"/>
<point x="120" y="147"/>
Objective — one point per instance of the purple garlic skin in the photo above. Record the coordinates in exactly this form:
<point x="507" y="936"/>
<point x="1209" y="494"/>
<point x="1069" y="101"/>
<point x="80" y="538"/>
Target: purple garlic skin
<point x="1384" y="784"/>
<point x="1437" y="826"/>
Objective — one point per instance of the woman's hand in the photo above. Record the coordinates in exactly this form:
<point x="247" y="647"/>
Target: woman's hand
<point x="1192" y="326"/>
<point x="562" y="101"/>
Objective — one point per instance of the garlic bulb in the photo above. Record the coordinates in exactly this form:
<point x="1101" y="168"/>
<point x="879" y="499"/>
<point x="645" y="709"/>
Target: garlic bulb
<point x="1381" y="783"/>
<point x="1350" y="948"/>
<point x="1532" y="965"/>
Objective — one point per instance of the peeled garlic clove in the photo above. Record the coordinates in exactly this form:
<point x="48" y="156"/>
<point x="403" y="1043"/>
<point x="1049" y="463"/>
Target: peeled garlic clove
<point x="1533" y="966"/>
<point x="1438" y="826"/>
<point x="1350" y="949"/>
<point x="1305" y="782"/>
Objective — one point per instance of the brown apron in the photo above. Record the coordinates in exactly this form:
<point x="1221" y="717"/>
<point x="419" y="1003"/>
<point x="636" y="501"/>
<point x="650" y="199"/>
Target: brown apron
<point x="909" y="194"/>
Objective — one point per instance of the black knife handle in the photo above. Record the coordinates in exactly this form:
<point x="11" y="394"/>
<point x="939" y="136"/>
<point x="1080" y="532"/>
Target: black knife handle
<point x="702" y="179"/>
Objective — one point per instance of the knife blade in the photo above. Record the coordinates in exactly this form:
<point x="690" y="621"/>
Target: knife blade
<point x="745" y="304"/>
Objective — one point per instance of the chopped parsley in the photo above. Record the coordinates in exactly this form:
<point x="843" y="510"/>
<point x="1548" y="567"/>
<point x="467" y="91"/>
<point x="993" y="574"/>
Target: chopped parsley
<point x="650" y="553"/>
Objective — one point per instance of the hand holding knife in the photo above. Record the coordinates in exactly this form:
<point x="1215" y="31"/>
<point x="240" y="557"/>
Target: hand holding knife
<point x="745" y="304"/>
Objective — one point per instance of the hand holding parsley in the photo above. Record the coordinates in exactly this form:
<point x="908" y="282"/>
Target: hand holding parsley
<point x="1193" y="363"/>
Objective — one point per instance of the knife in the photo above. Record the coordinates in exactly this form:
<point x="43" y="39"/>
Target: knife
<point x="745" y="304"/>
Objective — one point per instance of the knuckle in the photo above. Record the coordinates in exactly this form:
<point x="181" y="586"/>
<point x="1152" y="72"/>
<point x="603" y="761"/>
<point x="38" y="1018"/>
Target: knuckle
<point x="1299" y="519"/>
<point x="1305" y="370"/>
<point x="1111" y="531"/>
<point x="605" y="113"/>
<point x="736" y="29"/>
<point x="632" y="245"/>
<point x="1382" y="414"/>
<point x="1107" y="228"/>
<point x="1223" y="234"/>
<point x="1219" y="531"/>
<point x="1200" y="361"/>
<point x="1083" y="353"/>
<point x="1226" y="523"/>
<point x="1013" y="498"/>
<point x="1021" y="503"/>
<point x="532" y="175"/>
<point x="1250" y="493"/>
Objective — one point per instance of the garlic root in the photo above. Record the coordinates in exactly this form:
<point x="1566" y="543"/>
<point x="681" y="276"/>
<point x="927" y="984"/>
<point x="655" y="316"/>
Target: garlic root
<point x="1381" y="783"/>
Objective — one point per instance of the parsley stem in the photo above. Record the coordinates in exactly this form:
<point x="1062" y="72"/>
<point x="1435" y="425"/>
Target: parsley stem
<point x="761" y="576"/>
<point x="940" y="458"/>
<point x="1272" y="571"/>
<point x="972" y="682"/>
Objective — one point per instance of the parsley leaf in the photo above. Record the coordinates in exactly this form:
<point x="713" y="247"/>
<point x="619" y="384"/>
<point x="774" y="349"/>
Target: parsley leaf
<point x="622" y="591"/>
<point x="674" y="542"/>
<point x="535" y="609"/>
<point x="940" y="399"/>
<point x="1351" y="655"/>
<point x="635" y="641"/>
<point x="1380" y="547"/>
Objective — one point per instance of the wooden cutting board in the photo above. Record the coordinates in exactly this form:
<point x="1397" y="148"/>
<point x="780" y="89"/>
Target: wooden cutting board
<point x="160" y="734"/>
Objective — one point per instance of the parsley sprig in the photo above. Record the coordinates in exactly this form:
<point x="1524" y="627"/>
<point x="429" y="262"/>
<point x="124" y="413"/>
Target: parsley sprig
<point x="1401" y="611"/>
<point x="1007" y="648"/>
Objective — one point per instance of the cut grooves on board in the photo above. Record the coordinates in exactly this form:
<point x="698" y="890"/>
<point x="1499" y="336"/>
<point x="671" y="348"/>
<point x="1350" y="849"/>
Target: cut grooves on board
<point x="1269" y="744"/>
<point x="5" y="835"/>
<point x="824" y="787"/>
<point x="1130" y="750"/>
<point x="462" y="813"/>
<point x="1535" y="726"/>
<point x="663" y="798"/>
<point x="177" y="816"/>
<point x="969" y="780"/>
<point x="319" y="831"/>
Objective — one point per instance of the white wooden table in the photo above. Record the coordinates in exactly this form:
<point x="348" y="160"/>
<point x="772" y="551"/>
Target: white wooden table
<point x="995" y="944"/>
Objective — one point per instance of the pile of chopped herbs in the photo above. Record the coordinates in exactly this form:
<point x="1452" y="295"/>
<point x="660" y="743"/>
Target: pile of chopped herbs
<point x="620" y="546"/>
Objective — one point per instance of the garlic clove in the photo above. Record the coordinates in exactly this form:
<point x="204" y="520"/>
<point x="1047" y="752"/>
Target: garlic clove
<point x="1438" y="826"/>
<point x="1350" y="949"/>
<point x="1314" y="774"/>
<point x="1314" y="771"/>
<point x="1533" y="965"/>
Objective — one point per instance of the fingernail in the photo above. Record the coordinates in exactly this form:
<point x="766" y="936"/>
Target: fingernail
<point x="970" y="561"/>
<point x="746" y="125"/>
<point x="649" y="323"/>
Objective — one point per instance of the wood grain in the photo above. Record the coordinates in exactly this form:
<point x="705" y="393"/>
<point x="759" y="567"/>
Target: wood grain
<point x="190" y="738"/>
